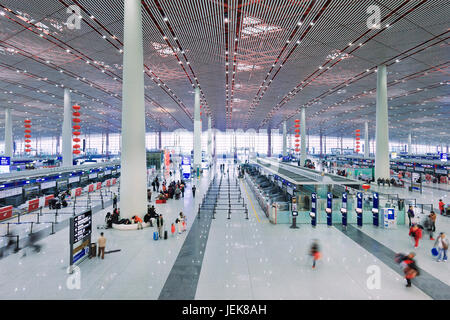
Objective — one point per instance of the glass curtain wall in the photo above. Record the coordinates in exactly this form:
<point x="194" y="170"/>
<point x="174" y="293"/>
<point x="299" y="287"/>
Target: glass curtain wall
<point x="182" y="141"/>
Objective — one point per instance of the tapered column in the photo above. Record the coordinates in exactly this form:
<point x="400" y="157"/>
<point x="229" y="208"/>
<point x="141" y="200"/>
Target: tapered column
<point x="133" y="180"/>
<point x="209" y="139"/>
<point x="107" y="145"/>
<point x="269" y="142"/>
<point x="197" y="133"/>
<point x="320" y="143"/>
<point x="303" y="137"/>
<point x="409" y="144"/>
<point x="366" y="140"/>
<point x="284" y="139"/>
<point x="8" y="134"/>
<point x="382" y="129"/>
<point x="67" y="155"/>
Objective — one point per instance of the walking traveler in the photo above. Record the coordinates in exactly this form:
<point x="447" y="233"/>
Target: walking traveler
<point x="160" y="224"/>
<point x="314" y="252"/>
<point x="101" y="245"/>
<point x="410" y="215"/>
<point x="416" y="233"/>
<point x="409" y="265"/>
<point x="442" y="243"/>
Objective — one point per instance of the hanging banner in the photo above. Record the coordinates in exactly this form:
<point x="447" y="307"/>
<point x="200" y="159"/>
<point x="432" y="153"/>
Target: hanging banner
<point x="329" y="208"/>
<point x="46" y="199"/>
<point x="6" y="212"/>
<point x="376" y="221"/>
<point x="33" y="205"/>
<point x="313" y="213"/>
<point x="77" y="192"/>
<point x="359" y="211"/>
<point x="344" y="209"/>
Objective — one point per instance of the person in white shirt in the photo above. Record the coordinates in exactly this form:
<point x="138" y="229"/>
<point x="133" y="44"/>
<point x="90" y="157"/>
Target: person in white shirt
<point x="442" y="243"/>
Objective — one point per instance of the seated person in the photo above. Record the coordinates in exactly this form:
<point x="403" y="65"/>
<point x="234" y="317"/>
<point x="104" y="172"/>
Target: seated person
<point x="162" y="196"/>
<point x="115" y="217"/>
<point x="177" y="193"/>
<point x="108" y="220"/>
<point x="137" y="220"/>
<point x="152" y="211"/>
<point x="147" y="217"/>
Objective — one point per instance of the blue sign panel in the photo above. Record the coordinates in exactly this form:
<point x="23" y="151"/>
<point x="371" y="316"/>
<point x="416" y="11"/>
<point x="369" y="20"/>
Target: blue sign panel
<point x="359" y="211"/>
<point x="375" y="209"/>
<point x="5" y="161"/>
<point x="344" y="209"/>
<point x="313" y="213"/>
<point x="443" y="157"/>
<point x="329" y="208"/>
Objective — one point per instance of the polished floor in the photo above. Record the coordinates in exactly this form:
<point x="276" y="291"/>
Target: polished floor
<point x="235" y="259"/>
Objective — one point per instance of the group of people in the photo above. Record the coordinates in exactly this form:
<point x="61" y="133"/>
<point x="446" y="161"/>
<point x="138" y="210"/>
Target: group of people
<point x="173" y="190"/>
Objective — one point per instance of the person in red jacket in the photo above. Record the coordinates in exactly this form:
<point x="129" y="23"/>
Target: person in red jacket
<point x="441" y="206"/>
<point x="409" y="265"/>
<point x="416" y="233"/>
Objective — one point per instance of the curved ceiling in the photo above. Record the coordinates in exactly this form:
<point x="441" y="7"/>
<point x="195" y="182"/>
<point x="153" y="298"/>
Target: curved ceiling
<point x="257" y="64"/>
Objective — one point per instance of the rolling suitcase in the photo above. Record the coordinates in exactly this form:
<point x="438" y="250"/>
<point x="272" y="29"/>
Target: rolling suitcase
<point x="155" y="236"/>
<point x="165" y="235"/>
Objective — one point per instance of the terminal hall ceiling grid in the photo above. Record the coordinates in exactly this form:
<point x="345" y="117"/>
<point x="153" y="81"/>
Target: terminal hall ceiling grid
<point x="256" y="62"/>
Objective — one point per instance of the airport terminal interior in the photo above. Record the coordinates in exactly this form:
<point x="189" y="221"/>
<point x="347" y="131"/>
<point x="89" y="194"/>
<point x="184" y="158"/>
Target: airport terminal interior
<point x="224" y="150"/>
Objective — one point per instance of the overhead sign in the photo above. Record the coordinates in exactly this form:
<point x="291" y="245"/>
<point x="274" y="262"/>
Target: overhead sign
<point x="47" y="185"/>
<point x="5" y="163"/>
<point x="10" y="192"/>
<point x="74" y="179"/>
<point x="93" y="175"/>
<point x="443" y="157"/>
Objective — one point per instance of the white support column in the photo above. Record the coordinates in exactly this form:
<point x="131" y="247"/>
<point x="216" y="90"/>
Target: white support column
<point x="197" y="134"/>
<point x="209" y="140"/>
<point x="8" y="134"/>
<point x="382" y="127"/>
<point x="107" y="145"/>
<point x="366" y="140"/>
<point x="284" y="139"/>
<point x="409" y="143"/>
<point x="67" y="155"/>
<point x="303" y="137"/>
<point x="133" y="179"/>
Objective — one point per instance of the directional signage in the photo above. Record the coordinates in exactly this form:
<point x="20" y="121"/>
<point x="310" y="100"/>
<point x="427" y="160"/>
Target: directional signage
<point x="375" y="209"/>
<point x="313" y="213"/>
<point x="329" y="208"/>
<point x="344" y="209"/>
<point x="359" y="211"/>
<point x="81" y="227"/>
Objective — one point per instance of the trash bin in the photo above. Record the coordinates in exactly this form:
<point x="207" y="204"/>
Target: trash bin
<point x="93" y="250"/>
